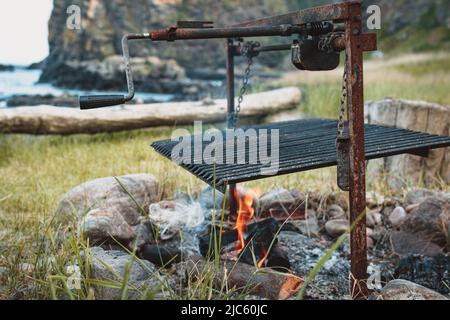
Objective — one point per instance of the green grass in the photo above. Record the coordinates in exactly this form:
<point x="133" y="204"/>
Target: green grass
<point x="36" y="172"/>
<point x="435" y="66"/>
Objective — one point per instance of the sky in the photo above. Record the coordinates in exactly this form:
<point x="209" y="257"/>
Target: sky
<point x="24" y="31"/>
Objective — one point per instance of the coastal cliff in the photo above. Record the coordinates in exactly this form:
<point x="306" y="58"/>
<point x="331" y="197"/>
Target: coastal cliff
<point x="85" y="58"/>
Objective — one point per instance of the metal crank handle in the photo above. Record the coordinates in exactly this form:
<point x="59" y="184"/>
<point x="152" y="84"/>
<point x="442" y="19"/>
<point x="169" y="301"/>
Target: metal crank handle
<point x="100" y="101"/>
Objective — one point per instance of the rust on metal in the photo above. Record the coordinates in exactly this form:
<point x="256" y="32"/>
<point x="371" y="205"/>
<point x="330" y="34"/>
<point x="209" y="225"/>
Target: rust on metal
<point x="174" y="33"/>
<point x="357" y="181"/>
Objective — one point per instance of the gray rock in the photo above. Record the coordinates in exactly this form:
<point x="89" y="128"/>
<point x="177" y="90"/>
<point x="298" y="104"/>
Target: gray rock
<point x="419" y="195"/>
<point x="373" y="218"/>
<point x="397" y="216"/>
<point x="430" y="221"/>
<point x="405" y="243"/>
<point x="370" y="241"/>
<point x="425" y="229"/>
<point x="143" y="234"/>
<point x="337" y="227"/>
<point x="111" y="266"/>
<point x="336" y="212"/>
<point x="107" y="194"/>
<point x="4" y="67"/>
<point x="107" y="214"/>
<point x="282" y="203"/>
<point x="374" y="199"/>
<point x="308" y="227"/>
<point x="399" y="289"/>
<point x="48" y="99"/>
<point x="103" y="225"/>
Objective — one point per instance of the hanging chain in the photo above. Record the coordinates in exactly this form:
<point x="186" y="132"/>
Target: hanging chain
<point x="326" y="44"/>
<point x="247" y="50"/>
<point x="243" y="90"/>
<point x="343" y="104"/>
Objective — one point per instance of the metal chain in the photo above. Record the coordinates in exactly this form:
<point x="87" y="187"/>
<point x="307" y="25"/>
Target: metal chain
<point x="243" y="90"/>
<point x="343" y="104"/>
<point x="326" y="43"/>
<point x="247" y="51"/>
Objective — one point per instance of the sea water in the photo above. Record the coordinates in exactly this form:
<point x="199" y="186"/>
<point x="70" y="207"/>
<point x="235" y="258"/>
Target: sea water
<point x="22" y="81"/>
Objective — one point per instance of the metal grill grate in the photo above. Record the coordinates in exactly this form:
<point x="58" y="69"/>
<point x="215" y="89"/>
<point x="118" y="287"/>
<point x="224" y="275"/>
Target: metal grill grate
<point x="305" y="145"/>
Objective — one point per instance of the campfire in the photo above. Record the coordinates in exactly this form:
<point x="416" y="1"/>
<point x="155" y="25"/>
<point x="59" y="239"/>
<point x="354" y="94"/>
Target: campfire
<point x="245" y="243"/>
<point x="250" y="239"/>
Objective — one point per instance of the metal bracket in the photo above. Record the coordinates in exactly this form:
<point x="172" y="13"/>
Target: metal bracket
<point x="343" y="163"/>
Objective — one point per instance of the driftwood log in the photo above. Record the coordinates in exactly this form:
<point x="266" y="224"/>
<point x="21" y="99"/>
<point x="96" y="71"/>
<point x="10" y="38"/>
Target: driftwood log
<point x="60" y="120"/>
<point x="245" y="278"/>
<point x="401" y="170"/>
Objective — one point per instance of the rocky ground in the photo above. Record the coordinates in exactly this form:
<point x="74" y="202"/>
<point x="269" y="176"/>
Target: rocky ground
<point x="407" y="237"/>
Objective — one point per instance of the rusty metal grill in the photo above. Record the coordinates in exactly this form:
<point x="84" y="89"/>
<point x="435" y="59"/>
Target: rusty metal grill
<point x="306" y="145"/>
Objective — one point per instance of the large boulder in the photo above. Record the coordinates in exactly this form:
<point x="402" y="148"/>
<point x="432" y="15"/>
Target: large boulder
<point x="425" y="230"/>
<point x="430" y="220"/>
<point x="108" y="193"/>
<point x="399" y="289"/>
<point x="149" y="74"/>
<point x="108" y="211"/>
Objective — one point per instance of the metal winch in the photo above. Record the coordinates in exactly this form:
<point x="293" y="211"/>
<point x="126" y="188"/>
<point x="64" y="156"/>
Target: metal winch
<point x="321" y="34"/>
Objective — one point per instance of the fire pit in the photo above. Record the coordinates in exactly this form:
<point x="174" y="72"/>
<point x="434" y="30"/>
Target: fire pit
<point x="322" y="33"/>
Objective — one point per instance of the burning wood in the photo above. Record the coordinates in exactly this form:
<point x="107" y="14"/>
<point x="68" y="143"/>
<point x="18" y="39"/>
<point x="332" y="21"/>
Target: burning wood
<point x="245" y="278"/>
<point x="254" y="244"/>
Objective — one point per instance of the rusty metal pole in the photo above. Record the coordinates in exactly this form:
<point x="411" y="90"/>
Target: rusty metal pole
<point x="355" y="114"/>
<point x="229" y="48"/>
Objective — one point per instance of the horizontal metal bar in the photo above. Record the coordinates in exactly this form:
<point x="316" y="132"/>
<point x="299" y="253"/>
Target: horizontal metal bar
<point x="224" y="33"/>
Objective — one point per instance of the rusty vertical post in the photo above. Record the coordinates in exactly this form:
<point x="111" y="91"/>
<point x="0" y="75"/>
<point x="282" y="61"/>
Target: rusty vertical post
<point x="355" y="114"/>
<point x="229" y="47"/>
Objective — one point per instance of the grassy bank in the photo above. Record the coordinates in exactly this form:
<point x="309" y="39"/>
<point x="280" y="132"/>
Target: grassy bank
<point x="36" y="171"/>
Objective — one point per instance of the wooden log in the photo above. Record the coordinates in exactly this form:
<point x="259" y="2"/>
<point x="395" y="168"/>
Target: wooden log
<point x="403" y="170"/>
<point x="60" y="120"/>
<point x="245" y="278"/>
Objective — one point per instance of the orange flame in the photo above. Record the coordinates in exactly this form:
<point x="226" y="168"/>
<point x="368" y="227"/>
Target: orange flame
<point x="264" y="257"/>
<point x="245" y="214"/>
